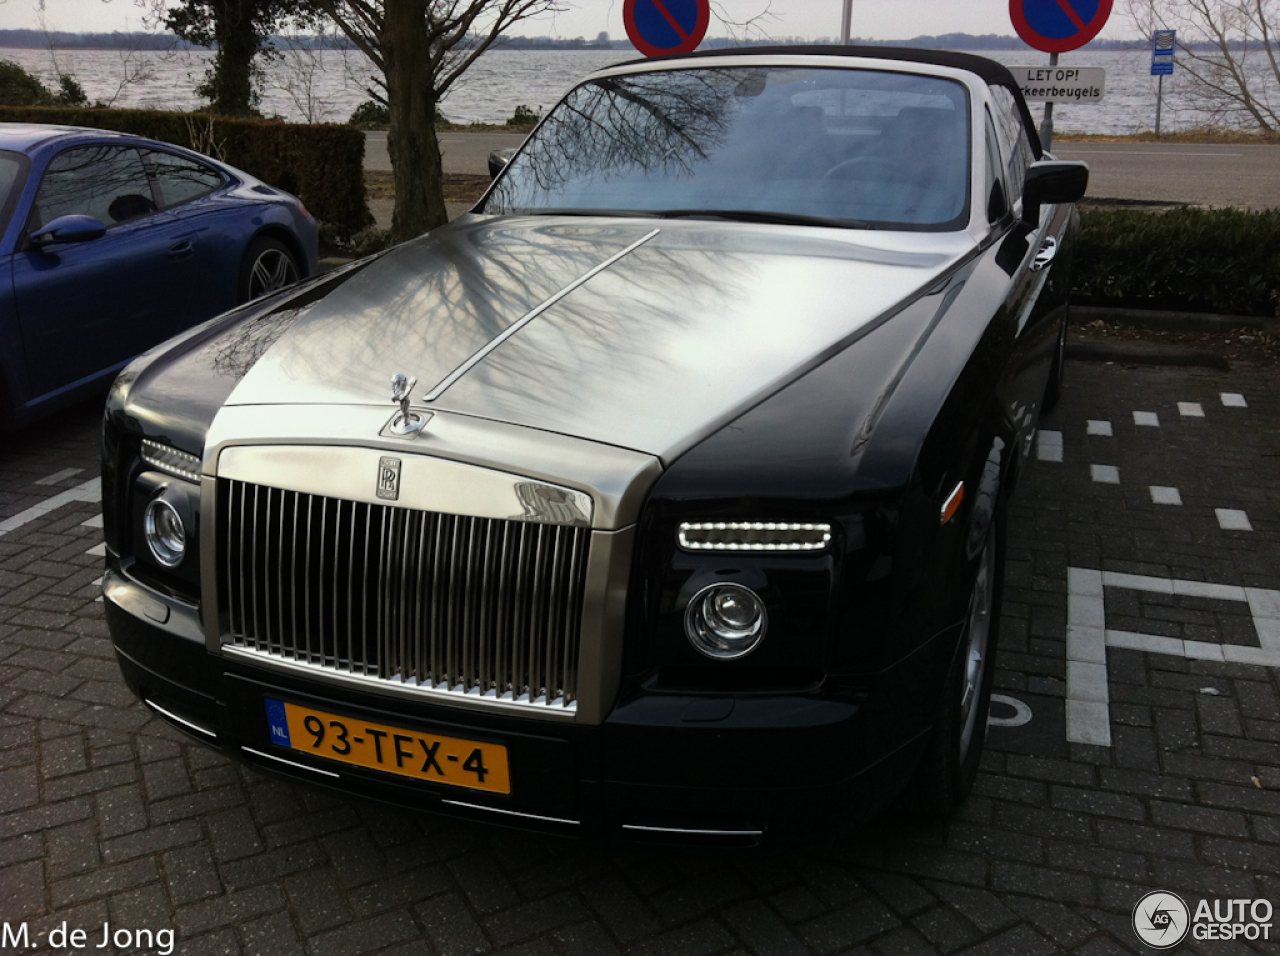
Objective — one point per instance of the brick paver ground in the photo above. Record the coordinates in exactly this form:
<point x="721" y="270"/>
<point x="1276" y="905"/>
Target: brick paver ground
<point x="109" y="816"/>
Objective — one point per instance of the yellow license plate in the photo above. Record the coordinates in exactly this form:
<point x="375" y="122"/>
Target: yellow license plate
<point x="448" y="760"/>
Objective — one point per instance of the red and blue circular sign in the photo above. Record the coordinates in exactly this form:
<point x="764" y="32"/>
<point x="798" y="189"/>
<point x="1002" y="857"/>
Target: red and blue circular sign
<point x="1058" y="26"/>
<point x="660" y="27"/>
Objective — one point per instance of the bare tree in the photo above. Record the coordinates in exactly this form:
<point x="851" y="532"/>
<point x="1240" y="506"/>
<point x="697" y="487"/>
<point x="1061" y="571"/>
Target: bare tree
<point x="296" y="73"/>
<point x="421" y="48"/>
<point x="1228" y="53"/>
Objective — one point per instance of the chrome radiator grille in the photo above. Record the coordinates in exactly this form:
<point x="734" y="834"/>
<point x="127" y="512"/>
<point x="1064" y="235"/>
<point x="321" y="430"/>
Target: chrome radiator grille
<point x="482" y="607"/>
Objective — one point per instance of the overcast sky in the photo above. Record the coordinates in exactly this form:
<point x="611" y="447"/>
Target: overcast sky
<point x="872" y="19"/>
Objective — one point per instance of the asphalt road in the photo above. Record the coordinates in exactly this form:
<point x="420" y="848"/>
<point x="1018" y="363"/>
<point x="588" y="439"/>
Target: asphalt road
<point x="1157" y="172"/>
<point x="1200" y="174"/>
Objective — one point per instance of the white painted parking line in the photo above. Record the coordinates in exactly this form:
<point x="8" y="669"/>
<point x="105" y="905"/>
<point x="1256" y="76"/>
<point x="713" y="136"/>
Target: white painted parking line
<point x="1164" y="495"/>
<point x="1232" y="520"/>
<point x="1190" y="409"/>
<point x="1149" y="419"/>
<point x="1105" y="474"/>
<point x="1218" y="592"/>
<point x="1049" y="445"/>
<point x="98" y="550"/>
<point x="58" y="476"/>
<point x="94" y="522"/>
<point x="90" y="490"/>
<point x="1088" y="706"/>
<point x="1137" y="582"/>
<point x="1088" y="722"/>
<point x="1099" y="428"/>
<point x="1234" y="400"/>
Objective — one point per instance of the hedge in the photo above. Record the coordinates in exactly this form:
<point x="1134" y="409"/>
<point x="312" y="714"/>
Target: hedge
<point x="1188" y="260"/>
<point x="321" y="165"/>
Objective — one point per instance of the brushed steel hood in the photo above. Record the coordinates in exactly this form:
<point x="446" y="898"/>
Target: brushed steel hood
<point x="637" y="333"/>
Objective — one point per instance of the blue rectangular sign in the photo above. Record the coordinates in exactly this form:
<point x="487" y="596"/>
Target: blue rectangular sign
<point x="1163" y="43"/>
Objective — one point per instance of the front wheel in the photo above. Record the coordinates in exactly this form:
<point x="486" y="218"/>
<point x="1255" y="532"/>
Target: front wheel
<point x="950" y="764"/>
<point x="268" y="266"/>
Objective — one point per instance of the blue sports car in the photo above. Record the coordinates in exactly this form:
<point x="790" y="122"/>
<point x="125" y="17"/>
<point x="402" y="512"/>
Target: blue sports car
<point x="111" y="243"/>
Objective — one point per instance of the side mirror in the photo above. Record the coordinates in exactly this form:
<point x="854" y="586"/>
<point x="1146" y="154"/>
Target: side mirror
<point x="1052" y="181"/>
<point x="69" y="229"/>
<point x="498" y="160"/>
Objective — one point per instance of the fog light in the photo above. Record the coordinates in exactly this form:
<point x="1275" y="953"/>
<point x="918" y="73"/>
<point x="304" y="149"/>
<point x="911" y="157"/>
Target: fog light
<point x="725" y="621"/>
<point x="166" y="535"/>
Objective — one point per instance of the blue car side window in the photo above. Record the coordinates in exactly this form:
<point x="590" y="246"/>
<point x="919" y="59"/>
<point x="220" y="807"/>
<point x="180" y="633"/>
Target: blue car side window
<point x="106" y="182"/>
<point x="180" y="179"/>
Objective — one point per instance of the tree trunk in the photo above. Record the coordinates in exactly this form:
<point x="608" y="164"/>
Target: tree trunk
<point x="411" y="140"/>
<point x="229" y="85"/>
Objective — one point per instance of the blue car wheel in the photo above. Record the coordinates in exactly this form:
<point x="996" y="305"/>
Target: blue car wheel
<point x="269" y="265"/>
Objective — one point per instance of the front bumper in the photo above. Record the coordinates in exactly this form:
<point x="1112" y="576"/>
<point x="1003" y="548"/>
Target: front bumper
<point x="662" y="768"/>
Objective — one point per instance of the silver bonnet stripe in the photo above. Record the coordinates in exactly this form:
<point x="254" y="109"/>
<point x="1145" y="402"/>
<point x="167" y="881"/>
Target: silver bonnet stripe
<point x="529" y="316"/>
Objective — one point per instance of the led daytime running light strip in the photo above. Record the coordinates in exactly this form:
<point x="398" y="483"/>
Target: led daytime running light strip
<point x="168" y="459"/>
<point x="803" y="537"/>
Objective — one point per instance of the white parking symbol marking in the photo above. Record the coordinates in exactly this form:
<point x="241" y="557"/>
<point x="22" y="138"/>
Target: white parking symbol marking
<point x="1088" y="703"/>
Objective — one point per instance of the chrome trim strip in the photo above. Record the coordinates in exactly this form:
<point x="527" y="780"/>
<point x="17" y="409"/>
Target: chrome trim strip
<point x="180" y="720"/>
<point x="372" y="683"/>
<point x="529" y="316"/>
<point x="511" y="813"/>
<point x="291" y="763"/>
<point x="690" y="832"/>
<point x="427" y="483"/>
<point x="604" y="603"/>
<point x="618" y="480"/>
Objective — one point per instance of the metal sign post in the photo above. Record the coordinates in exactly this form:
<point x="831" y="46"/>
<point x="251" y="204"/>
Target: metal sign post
<point x="1163" y="44"/>
<point x="846" y="22"/>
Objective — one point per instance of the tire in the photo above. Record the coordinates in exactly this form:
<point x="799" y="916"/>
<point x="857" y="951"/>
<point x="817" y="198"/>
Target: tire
<point x="950" y="763"/>
<point x="1053" y="390"/>
<point x="268" y="265"/>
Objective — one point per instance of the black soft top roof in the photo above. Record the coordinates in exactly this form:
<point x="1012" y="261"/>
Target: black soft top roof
<point x="995" y="74"/>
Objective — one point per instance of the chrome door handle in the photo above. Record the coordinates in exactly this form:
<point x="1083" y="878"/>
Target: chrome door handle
<point x="1048" y="250"/>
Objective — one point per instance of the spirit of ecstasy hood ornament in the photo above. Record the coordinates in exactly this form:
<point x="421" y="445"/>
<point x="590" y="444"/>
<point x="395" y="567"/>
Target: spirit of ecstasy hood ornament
<point x="407" y="423"/>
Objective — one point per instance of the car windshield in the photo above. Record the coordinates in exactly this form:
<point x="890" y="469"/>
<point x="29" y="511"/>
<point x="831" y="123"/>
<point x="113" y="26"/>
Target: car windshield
<point x="845" y="147"/>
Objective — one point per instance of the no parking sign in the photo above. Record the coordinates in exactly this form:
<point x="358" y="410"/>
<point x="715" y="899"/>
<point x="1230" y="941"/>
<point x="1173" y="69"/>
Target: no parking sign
<point x="659" y="27"/>
<point x="1057" y="26"/>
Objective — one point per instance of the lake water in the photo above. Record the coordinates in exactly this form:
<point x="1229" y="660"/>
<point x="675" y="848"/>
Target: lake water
<point x="325" y="86"/>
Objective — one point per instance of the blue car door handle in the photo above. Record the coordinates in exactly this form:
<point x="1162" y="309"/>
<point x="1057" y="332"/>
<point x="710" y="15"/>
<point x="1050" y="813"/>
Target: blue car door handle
<point x="182" y="250"/>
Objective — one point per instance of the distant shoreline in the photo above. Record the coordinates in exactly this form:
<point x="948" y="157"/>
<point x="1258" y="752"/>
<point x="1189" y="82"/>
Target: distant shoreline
<point x="61" y="40"/>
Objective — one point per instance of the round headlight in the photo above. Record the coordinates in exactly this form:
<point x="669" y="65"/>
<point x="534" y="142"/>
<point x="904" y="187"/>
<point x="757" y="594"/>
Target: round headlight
<point x="166" y="535"/>
<point x="725" y="621"/>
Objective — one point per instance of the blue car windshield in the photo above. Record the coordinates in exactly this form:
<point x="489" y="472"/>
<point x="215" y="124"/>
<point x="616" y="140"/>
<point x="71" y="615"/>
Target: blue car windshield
<point x="849" y="147"/>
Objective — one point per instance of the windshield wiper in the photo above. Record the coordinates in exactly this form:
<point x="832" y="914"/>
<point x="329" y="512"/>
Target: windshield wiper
<point x="753" y="215"/>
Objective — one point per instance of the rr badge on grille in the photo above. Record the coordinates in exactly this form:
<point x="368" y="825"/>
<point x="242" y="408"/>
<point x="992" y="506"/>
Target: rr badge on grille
<point x="389" y="478"/>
